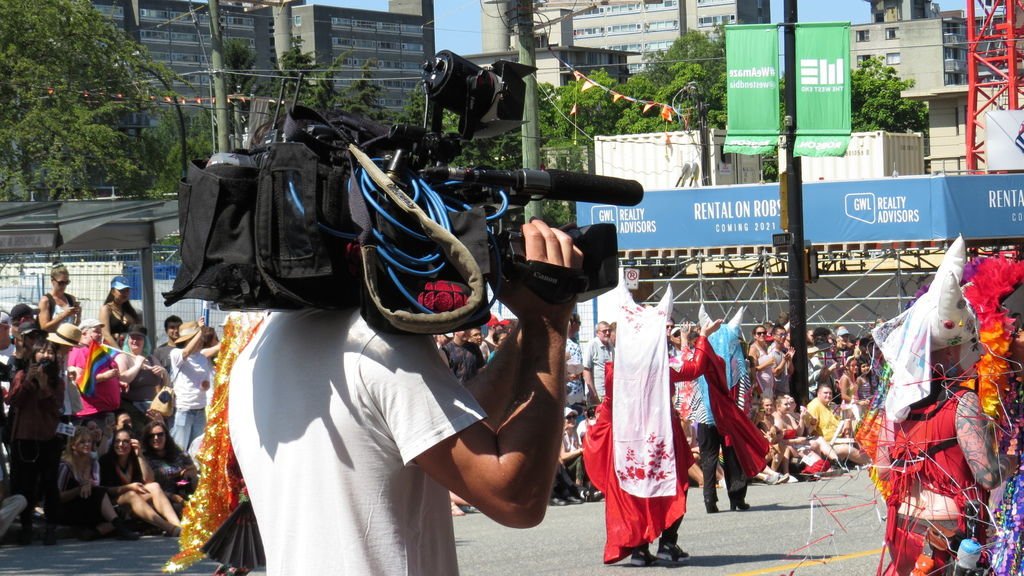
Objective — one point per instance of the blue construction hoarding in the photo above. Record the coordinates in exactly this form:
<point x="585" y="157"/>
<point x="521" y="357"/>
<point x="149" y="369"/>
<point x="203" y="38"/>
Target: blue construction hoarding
<point x="894" y="209"/>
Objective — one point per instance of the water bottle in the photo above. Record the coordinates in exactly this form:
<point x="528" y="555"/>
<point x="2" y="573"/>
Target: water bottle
<point x="967" y="556"/>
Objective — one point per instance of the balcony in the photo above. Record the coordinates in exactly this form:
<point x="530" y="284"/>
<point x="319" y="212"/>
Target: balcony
<point x="957" y="66"/>
<point x="952" y="38"/>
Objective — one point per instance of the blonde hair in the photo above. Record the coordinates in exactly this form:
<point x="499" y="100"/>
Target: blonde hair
<point x="57" y="270"/>
<point x="80" y="433"/>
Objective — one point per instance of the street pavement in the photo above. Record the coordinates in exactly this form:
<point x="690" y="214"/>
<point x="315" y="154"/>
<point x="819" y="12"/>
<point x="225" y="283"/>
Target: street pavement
<point x="828" y="527"/>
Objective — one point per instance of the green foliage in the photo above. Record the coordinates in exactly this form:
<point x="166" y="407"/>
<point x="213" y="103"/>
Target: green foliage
<point x="695" y="58"/>
<point x="160" y="147"/>
<point x="69" y="78"/>
<point x="317" y="87"/>
<point x="239" y="56"/>
<point x="877" y="104"/>
<point x="363" y="95"/>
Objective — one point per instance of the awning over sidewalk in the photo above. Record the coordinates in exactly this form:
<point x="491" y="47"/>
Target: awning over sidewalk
<point x="85" y="225"/>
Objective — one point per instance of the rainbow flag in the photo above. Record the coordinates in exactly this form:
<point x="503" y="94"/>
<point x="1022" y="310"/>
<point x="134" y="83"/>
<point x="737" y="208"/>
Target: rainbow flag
<point x="98" y="355"/>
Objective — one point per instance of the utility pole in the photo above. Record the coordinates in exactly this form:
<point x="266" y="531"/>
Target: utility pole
<point x="282" y="29"/>
<point x="531" y="128"/>
<point x="220" y="93"/>
<point x="795" y="206"/>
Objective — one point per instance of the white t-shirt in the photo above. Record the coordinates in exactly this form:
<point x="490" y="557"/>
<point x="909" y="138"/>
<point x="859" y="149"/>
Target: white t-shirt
<point x="326" y="418"/>
<point x="187" y="376"/>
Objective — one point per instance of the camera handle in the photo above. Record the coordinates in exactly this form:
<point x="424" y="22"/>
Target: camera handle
<point x="457" y="253"/>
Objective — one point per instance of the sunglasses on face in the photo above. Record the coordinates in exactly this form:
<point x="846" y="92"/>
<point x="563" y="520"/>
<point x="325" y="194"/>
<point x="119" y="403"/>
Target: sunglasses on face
<point x="62" y="282"/>
<point x="157" y="435"/>
<point x="762" y="333"/>
<point x="119" y="442"/>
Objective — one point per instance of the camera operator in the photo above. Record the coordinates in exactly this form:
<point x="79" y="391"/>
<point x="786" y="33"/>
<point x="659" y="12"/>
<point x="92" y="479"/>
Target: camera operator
<point x="349" y="440"/>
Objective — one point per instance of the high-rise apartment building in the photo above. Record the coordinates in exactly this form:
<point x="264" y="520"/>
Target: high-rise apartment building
<point x="929" y="46"/>
<point x="647" y="27"/>
<point x="393" y="44"/>
<point x="177" y="33"/>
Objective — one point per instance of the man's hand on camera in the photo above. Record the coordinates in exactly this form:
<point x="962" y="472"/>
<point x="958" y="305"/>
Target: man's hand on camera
<point x="549" y="246"/>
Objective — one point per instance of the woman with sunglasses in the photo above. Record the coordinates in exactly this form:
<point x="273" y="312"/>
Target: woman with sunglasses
<point x="57" y="306"/>
<point x="83" y="502"/>
<point x="172" y="469"/>
<point x="130" y="480"/>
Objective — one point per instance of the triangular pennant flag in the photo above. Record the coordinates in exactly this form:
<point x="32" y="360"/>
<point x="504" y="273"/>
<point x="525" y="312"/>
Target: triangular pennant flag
<point x="616" y="96"/>
<point x="578" y="75"/>
<point x="666" y="113"/>
<point x="587" y="85"/>
<point x="575" y="110"/>
<point x="648" y="106"/>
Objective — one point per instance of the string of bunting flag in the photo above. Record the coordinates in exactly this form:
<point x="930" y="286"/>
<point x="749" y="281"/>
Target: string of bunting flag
<point x="668" y="112"/>
<point x="167" y="99"/>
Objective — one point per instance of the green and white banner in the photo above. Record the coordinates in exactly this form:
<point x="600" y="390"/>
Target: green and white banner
<point x="822" y="89"/>
<point x="752" y="60"/>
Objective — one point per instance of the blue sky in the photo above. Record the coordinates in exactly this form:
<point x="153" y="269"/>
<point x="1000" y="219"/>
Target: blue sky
<point x="458" y="21"/>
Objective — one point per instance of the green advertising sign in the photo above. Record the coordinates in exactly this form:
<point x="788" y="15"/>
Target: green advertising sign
<point x="752" y="60"/>
<point x="822" y="89"/>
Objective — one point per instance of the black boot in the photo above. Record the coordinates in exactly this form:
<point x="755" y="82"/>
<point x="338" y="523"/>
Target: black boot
<point x="25" y="536"/>
<point x="50" y="538"/>
<point x="740" y="505"/>
<point x="122" y="531"/>
<point x="711" y="507"/>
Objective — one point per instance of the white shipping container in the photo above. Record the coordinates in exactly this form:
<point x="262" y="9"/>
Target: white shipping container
<point x="666" y="160"/>
<point x="870" y="155"/>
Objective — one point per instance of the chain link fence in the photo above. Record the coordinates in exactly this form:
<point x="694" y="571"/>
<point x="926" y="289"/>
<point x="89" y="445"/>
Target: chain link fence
<point x="25" y="278"/>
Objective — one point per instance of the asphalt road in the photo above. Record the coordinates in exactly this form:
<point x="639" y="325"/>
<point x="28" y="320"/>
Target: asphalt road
<point x="829" y="527"/>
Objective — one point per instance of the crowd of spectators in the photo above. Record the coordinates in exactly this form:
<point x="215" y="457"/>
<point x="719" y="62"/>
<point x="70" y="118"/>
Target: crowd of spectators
<point x="90" y="411"/>
<point x="114" y="458"/>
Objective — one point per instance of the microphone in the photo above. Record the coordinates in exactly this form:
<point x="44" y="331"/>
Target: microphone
<point x="552" y="184"/>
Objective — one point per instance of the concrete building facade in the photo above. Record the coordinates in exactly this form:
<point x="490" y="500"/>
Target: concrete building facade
<point x="929" y="47"/>
<point x="647" y="27"/>
<point x="177" y="34"/>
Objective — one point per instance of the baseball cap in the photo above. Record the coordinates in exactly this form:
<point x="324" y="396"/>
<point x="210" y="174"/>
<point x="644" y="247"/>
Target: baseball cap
<point x="28" y="327"/>
<point x="138" y="329"/>
<point x="842" y="332"/>
<point x="570" y="412"/>
<point x="90" y="323"/>
<point x="22" y="310"/>
<point x="5" y="318"/>
<point x="119" y="283"/>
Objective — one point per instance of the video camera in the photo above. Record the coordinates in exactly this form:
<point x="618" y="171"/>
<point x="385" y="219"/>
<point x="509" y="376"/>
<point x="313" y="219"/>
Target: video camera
<point x="322" y="200"/>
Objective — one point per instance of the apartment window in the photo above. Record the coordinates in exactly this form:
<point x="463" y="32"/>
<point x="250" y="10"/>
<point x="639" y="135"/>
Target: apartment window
<point x="184" y="37"/>
<point x="863" y="35"/>
<point x="246" y="22"/>
<point x="657" y="46"/>
<point x="664" y="25"/>
<point x="412" y="47"/>
<point x="862" y="58"/>
<point x="150" y="14"/>
<point x="709" y="21"/>
<point x="412" y="29"/>
<point x="153" y="35"/>
<point x="390" y="26"/>
<point x="365" y="24"/>
<point x="341" y="22"/>
<point x="297" y="21"/>
<point x="387" y="45"/>
<point x="890" y="34"/>
<point x="892" y="58"/>
<point x="587" y="32"/>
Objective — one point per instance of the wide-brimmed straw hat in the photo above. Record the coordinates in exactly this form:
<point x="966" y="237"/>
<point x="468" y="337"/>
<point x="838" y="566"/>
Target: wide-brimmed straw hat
<point x="66" y="335"/>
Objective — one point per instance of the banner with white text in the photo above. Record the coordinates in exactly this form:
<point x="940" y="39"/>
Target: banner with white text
<point x="823" y="89"/>
<point x="751" y="61"/>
